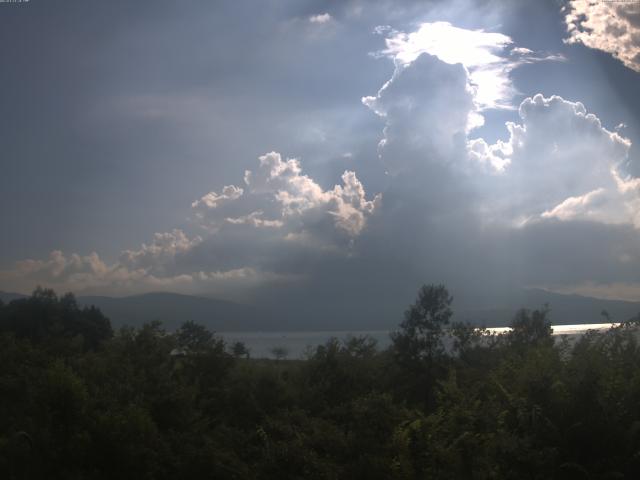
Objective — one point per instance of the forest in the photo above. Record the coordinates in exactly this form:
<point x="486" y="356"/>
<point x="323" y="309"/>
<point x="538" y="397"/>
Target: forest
<point x="444" y="401"/>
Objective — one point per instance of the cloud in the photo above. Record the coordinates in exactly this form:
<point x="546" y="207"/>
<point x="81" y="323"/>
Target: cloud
<point x="250" y="232"/>
<point x="617" y="204"/>
<point x="255" y="219"/>
<point x="560" y="162"/>
<point x="488" y="57"/>
<point x="495" y="156"/>
<point x="213" y="199"/>
<point x="610" y="291"/>
<point x="610" y="26"/>
<point x="152" y="268"/>
<point x="426" y="106"/>
<point x="586" y="206"/>
<point x="320" y="18"/>
<point x="561" y="255"/>
<point x="60" y="267"/>
<point x="529" y="201"/>
<point x="278" y="195"/>
<point x="444" y="78"/>
<point x="160" y="255"/>
<point x="549" y="204"/>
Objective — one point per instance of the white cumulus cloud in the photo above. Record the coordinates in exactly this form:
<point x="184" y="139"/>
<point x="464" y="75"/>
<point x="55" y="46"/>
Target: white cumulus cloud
<point x="160" y="254"/>
<point x="560" y="162"/>
<point x="154" y="267"/>
<point x="320" y="18"/>
<point x="279" y="195"/>
<point x="610" y="26"/>
<point x="213" y="199"/>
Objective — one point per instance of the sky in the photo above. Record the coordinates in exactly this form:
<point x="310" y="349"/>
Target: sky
<point x="321" y="158"/>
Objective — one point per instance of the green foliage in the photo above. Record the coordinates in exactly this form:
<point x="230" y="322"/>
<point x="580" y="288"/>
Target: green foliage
<point x="58" y="321"/>
<point x="531" y="328"/>
<point x="280" y="352"/>
<point x="240" y="350"/>
<point x="420" y="337"/>
<point x="419" y="344"/>
<point x="445" y="401"/>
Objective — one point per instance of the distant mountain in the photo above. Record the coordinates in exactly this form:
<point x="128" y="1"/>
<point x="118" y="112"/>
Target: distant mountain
<point x="565" y="309"/>
<point x="6" y="297"/>
<point x="223" y="316"/>
<point x="174" y="309"/>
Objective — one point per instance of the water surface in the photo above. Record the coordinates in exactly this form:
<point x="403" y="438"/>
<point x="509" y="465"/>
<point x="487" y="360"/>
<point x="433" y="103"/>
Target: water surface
<point x="298" y="344"/>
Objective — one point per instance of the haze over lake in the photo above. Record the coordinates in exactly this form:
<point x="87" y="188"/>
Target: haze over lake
<point x="300" y="344"/>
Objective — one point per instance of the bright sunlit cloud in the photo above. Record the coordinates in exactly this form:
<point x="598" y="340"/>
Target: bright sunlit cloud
<point x="488" y="57"/>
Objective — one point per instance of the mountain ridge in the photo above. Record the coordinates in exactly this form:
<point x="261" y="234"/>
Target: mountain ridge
<point x="172" y="309"/>
<point x="565" y="309"/>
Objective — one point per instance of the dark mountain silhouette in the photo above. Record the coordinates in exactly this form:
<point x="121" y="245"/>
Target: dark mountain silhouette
<point x="174" y="309"/>
<point x="220" y="315"/>
<point x="6" y="297"/>
<point x="565" y="309"/>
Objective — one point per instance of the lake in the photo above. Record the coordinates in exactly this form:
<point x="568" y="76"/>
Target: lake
<point x="260" y="344"/>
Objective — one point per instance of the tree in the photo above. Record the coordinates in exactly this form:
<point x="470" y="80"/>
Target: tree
<point x="419" y="348"/>
<point x="280" y="352"/>
<point x="195" y="338"/>
<point x="531" y="328"/>
<point x="240" y="350"/>
<point x="45" y="317"/>
<point x="419" y="340"/>
<point x="465" y="338"/>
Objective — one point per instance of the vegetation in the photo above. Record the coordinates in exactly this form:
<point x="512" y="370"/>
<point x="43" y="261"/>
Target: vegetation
<point x="78" y="401"/>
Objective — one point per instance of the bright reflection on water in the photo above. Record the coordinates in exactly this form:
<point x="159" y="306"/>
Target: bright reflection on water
<point x="298" y="344"/>
<point x="566" y="329"/>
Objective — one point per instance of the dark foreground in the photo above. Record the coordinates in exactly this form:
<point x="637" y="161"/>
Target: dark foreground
<point x="79" y="402"/>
